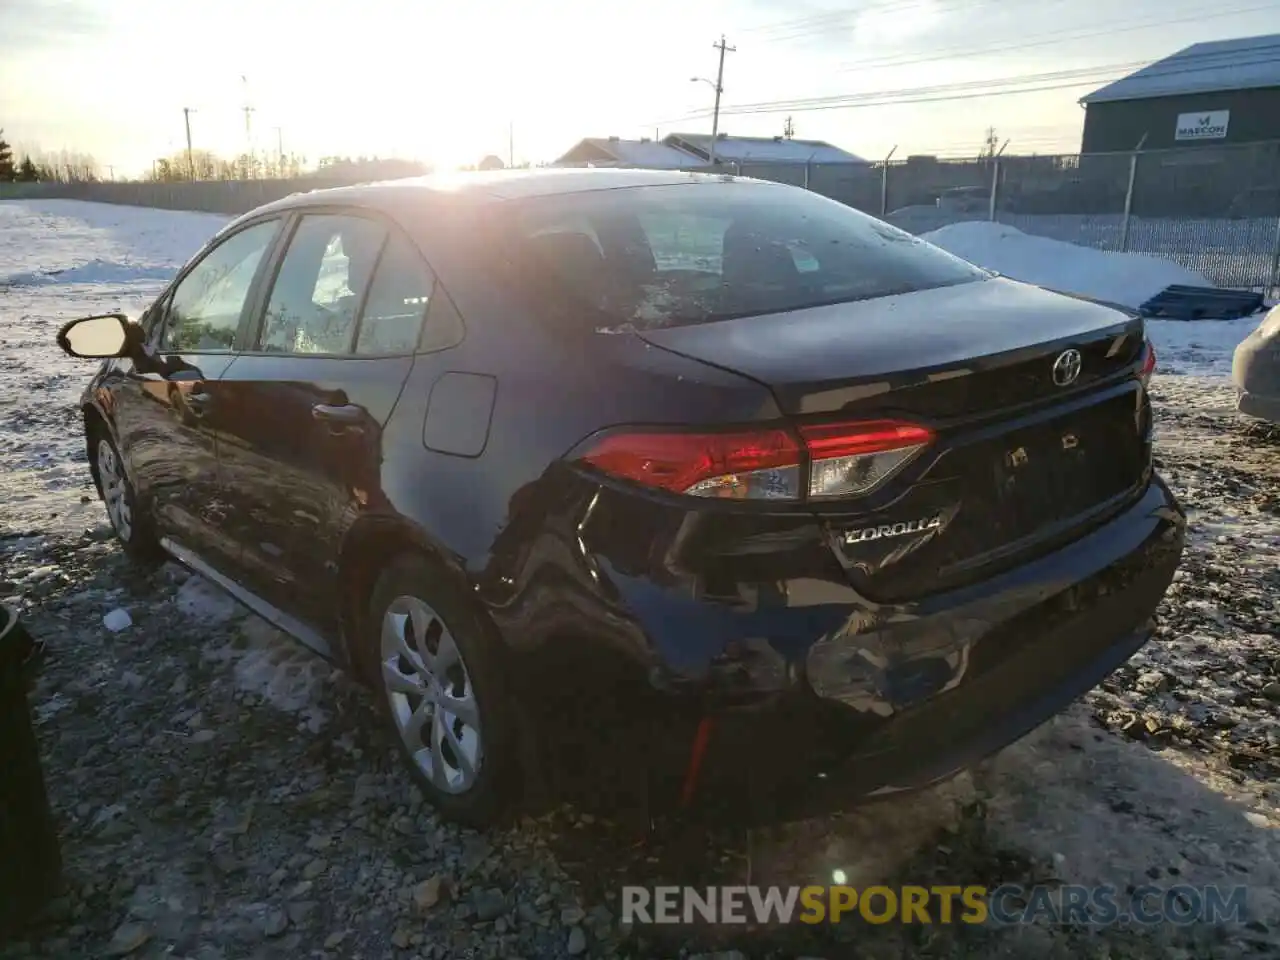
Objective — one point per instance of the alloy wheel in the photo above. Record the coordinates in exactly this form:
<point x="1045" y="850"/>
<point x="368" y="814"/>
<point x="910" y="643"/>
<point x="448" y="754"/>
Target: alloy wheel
<point x="115" y="490"/>
<point x="430" y="694"/>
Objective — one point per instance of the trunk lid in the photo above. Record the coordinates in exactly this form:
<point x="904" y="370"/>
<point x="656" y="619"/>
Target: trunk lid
<point x="1020" y="463"/>
<point x="952" y="351"/>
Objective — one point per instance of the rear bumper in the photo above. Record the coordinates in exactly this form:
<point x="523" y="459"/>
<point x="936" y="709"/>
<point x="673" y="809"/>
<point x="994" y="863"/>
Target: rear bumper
<point x="816" y="697"/>
<point x="1255" y="371"/>
<point x="1255" y="405"/>
<point x="943" y="737"/>
<point x="807" y="754"/>
<point x="893" y="698"/>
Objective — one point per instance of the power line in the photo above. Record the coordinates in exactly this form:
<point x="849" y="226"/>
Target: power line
<point x="884" y="97"/>
<point x="822" y="24"/>
<point x="802" y="27"/>
<point x="1021" y="83"/>
<point x="1046" y="39"/>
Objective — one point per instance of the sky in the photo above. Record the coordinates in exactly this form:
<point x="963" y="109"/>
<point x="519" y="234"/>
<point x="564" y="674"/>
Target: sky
<point x="449" y="82"/>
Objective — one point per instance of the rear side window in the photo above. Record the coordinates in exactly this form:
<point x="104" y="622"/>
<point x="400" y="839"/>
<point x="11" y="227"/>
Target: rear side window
<point x="701" y="252"/>
<point x="398" y="298"/>
<point x="321" y="282"/>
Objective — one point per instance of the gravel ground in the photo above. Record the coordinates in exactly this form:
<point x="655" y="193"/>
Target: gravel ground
<point x="223" y="794"/>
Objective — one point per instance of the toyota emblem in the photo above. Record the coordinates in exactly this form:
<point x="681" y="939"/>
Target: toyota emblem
<point x="1067" y="367"/>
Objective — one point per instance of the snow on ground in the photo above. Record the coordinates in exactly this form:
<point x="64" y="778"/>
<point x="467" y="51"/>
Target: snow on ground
<point x="1203" y="348"/>
<point x="1126" y="278"/>
<point x="62" y="259"/>
<point x="70" y="241"/>
<point x="223" y="792"/>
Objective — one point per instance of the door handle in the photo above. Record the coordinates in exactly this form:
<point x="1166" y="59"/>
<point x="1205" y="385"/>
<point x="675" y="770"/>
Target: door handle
<point x="348" y="414"/>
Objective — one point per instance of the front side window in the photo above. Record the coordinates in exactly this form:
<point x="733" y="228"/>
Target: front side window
<point x="204" y="309"/>
<point x="322" y="280"/>
<point x="702" y="252"/>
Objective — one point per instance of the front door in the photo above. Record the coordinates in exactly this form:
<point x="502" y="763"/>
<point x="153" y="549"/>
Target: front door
<point x="310" y="397"/>
<point x="166" y="410"/>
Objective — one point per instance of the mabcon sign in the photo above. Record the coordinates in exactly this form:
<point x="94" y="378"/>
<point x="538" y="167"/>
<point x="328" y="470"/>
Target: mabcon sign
<point x="1210" y="125"/>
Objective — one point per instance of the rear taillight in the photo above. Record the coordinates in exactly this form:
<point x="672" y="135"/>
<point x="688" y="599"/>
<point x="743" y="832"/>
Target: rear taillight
<point x="1148" y="363"/>
<point x="759" y="465"/>
<point x="849" y="459"/>
<point x="843" y="459"/>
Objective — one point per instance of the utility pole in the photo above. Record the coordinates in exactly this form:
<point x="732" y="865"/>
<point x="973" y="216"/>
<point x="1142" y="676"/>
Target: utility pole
<point x="111" y="172"/>
<point x="715" y="116"/>
<point x="718" y="87"/>
<point x="511" y="144"/>
<point x="186" y="118"/>
<point x="248" y="109"/>
<point x="788" y="130"/>
<point x="280" y="149"/>
<point x="989" y="147"/>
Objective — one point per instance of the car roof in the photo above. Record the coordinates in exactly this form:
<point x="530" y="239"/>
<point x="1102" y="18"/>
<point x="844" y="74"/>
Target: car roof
<point x="491" y="186"/>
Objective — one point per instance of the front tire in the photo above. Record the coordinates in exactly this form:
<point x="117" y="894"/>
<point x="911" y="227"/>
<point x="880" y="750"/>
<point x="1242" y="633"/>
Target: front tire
<point x="435" y="665"/>
<point x="132" y="524"/>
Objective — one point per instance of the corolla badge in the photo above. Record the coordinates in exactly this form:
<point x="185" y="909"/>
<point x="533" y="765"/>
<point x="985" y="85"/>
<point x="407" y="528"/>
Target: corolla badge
<point x="901" y="529"/>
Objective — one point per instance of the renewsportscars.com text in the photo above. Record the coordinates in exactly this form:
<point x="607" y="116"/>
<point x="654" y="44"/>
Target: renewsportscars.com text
<point x="970" y="904"/>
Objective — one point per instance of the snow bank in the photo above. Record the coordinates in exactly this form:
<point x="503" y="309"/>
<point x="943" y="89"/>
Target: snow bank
<point x="1201" y="348"/>
<point x="50" y="242"/>
<point x="95" y="271"/>
<point x="1125" y="278"/>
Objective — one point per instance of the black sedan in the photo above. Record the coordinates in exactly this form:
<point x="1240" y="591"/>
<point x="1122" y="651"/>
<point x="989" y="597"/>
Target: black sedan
<point x="689" y="486"/>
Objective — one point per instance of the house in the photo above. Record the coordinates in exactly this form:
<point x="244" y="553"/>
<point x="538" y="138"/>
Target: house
<point x="691" y="151"/>
<point x="759" y="149"/>
<point x="616" y="152"/>
<point x="1210" y="94"/>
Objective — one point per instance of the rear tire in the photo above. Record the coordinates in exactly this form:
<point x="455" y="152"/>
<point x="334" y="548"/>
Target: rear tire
<point x="436" y="667"/>
<point x="130" y="521"/>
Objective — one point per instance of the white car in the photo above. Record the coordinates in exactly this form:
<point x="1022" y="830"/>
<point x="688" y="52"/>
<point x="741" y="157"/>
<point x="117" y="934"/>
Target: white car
<point x="1255" y="370"/>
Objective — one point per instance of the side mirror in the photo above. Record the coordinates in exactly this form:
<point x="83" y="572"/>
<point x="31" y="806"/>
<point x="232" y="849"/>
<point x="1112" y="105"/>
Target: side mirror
<point x="96" y="338"/>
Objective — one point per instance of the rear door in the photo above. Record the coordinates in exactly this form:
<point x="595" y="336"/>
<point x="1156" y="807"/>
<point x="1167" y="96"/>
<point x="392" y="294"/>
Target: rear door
<point x="324" y="367"/>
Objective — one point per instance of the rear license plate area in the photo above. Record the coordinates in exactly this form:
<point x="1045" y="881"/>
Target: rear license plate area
<point x="1064" y="467"/>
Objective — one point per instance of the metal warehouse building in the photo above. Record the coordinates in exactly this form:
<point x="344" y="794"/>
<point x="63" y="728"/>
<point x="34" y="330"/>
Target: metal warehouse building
<point x="1210" y="94"/>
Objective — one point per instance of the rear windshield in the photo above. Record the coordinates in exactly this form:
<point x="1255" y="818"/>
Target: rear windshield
<point x="644" y="257"/>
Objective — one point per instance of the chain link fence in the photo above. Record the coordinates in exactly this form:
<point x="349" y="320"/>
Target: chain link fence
<point x="1215" y="210"/>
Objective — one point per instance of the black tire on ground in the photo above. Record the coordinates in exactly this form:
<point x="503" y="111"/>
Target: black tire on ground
<point x="491" y="796"/>
<point x="141" y="545"/>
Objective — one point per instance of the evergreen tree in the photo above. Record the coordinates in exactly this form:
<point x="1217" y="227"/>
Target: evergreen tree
<point x="27" y="172"/>
<point x="7" y="172"/>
